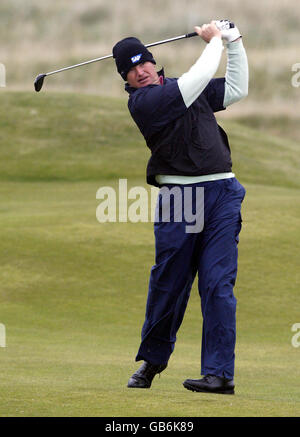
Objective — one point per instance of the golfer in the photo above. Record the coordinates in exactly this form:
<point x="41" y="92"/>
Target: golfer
<point x="189" y="149"/>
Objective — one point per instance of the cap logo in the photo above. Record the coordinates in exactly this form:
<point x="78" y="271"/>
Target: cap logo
<point x="136" y="58"/>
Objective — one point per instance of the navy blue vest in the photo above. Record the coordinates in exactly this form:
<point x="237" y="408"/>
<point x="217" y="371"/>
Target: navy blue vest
<point x="183" y="141"/>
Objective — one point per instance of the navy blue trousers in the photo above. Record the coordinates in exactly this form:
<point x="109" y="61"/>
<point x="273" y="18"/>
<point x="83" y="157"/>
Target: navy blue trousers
<point x="179" y="256"/>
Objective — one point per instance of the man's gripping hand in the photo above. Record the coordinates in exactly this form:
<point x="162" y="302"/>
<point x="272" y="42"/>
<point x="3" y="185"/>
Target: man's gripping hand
<point x="208" y="31"/>
<point x="228" y="30"/>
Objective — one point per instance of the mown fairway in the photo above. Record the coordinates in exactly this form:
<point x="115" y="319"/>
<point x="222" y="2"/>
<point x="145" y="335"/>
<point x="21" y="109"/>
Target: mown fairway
<point x="73" y="291"/>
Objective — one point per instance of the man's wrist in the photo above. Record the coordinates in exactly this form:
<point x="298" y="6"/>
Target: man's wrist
<point x="216" y="40"/>
<point x="235" y="46"/>
<point x="236" y="40"/>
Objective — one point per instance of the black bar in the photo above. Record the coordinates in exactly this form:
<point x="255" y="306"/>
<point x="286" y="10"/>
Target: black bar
<point x="189" y="35"/>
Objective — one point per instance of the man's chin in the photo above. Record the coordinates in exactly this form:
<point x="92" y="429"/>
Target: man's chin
<point x="144" y="82"/>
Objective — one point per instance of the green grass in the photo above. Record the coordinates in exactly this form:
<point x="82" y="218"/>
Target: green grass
<point x="73" y="291"/>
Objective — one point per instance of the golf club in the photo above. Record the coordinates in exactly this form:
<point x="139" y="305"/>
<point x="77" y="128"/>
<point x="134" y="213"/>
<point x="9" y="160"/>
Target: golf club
<point x="39" y="80"/>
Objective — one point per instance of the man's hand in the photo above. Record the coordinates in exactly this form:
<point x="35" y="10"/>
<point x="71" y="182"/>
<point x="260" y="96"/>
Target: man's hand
<point x="229" y="34"/>
<point x="208" y="31"/>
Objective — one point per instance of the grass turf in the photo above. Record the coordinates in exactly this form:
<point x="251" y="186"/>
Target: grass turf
<point x="73" y="291"/>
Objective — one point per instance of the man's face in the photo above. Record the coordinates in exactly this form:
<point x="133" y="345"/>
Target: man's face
<point x="142" y="75"/>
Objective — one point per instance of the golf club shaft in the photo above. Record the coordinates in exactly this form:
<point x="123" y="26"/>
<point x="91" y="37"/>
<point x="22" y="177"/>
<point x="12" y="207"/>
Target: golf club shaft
<point x="78" y="65"/>
<point x="188" y="35"/>
<point x="164" y="41"/>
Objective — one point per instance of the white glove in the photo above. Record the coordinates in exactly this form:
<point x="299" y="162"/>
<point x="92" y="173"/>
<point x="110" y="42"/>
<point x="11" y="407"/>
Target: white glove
<point x="228" y="30"/>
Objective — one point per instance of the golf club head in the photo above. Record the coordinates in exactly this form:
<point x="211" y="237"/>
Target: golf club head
<point x="38" y="83"/>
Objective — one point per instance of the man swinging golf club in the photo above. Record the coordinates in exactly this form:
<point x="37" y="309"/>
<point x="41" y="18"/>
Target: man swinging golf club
<point x="188" y="148"/>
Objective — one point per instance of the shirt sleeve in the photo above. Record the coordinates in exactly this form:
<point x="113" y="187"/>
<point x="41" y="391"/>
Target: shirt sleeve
<point x="192" y="83"/>
<point x="237" y="74"/>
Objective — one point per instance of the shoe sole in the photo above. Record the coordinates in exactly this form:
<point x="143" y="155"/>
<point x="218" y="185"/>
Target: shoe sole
<point x="223" y="392"/>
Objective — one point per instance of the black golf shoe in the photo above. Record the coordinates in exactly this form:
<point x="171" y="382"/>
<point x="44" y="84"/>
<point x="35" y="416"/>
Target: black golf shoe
<point x="210" y="384"/>
<point x="143" y="377"/>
